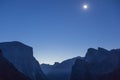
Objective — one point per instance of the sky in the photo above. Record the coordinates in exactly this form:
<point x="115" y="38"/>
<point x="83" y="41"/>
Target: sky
<point x="61" y="29"/>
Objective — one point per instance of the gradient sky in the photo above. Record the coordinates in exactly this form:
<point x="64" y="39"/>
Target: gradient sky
<point x="60" y="29"/>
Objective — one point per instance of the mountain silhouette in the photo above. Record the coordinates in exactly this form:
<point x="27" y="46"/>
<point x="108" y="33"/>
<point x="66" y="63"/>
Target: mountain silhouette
<point x="98" y="64"/>
<point x="21" y="56"/>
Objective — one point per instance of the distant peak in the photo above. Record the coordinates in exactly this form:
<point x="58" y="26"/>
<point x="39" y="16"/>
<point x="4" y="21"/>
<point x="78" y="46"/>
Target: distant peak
<point x="115" y="50"/>
<point x="91" y="50"/>
<point x="56" y="63"/>
<point x="102" y="49"/>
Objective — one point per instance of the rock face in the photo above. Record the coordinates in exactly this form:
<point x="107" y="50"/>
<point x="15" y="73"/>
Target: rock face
<point x="8" y="71"/>
<point x="21" y="56"/>
<point x="59" y="71"/>
<point x="98" y="64"/>
<point x="80" y="72"/>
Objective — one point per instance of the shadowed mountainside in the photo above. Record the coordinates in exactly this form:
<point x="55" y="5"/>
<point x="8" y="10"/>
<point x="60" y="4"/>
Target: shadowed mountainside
<point x="98" y="64"/>
<point x="21" y="56"/>
<point x="8" y="71"/>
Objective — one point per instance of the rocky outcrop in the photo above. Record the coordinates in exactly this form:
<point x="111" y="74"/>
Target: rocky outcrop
<point x="98" y="64"/>
<point x="21" y="56"/>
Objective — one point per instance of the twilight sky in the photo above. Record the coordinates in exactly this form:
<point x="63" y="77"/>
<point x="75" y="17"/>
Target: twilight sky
<point x="60" y="29"/>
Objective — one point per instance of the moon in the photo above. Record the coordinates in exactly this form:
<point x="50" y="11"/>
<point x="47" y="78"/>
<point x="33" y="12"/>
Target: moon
<point x="85" y="6"/>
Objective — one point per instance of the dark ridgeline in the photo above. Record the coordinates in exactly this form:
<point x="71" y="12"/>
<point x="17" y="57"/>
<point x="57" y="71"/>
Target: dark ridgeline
<point x="8" y="71"/>
<point x="17" y="63"/>
<point x="98" y="64"/>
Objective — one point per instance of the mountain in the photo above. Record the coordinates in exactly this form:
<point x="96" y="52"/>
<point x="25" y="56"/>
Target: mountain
<point x="98" y="64"/>
<point x="59" y="71"/>
<point x="8" y="71"/>
<point x="21" y="56"/>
